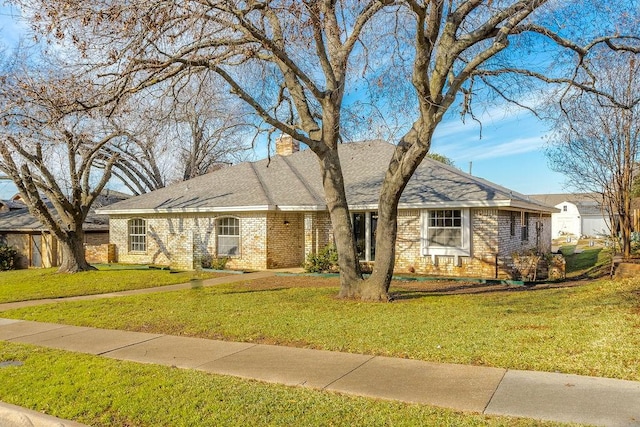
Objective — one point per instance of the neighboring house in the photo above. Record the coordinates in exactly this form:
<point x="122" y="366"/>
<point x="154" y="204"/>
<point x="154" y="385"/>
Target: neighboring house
<point x="10" y="205"/>
<point x="38" y="247"/>
<point x="581" y="214"/>
<point x="272" y="214"/>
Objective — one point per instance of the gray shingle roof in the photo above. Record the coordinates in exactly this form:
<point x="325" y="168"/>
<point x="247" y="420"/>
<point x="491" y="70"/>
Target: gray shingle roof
<point x="294" y="183"/>
<point x="10" y="205"/>
<point x="575" y="198"/>
<point x="21" y="220"/>
<point x="586" y="203"/>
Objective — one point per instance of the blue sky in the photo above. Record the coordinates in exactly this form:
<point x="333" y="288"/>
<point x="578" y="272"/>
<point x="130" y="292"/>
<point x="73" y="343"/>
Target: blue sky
<point x="510" y="152"/>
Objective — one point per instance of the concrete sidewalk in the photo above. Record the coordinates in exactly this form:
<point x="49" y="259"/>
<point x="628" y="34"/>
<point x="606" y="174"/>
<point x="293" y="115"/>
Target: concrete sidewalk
<point x="492" y="391"/>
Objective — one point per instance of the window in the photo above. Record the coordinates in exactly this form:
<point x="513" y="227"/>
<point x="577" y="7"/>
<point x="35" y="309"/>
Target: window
<point x="564" y="208"/>
<point x="525" y="225"/>
<point x="512" y="224"/>
<point x="364" y="232"/>
<point x="228" y="237"/>
<point x="445" y="228"/>
<point x="137" y="235"/>
<point x="446" y="233"/>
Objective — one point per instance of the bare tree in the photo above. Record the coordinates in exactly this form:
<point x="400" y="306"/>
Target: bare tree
<point x="48" y="147"/>
<point x="291" y="62"/>
<point x="597" y="139"/>
<point x="177" y="133"/>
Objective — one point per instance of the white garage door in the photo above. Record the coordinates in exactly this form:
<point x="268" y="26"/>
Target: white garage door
<point x="594" y="226"/>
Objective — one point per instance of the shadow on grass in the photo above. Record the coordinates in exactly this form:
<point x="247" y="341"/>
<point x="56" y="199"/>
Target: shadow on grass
<point x="478" y="289"/>
<point x="589" y="264"/>
<point x="252" y="291"/>
<point x="107" y="267"/>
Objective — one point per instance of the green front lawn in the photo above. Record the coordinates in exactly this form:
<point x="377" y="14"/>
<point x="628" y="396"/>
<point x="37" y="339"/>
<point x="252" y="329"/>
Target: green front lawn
<point x="23" y="285"/>
<point x="105" y="392"/>
<point x="591" y="329"/>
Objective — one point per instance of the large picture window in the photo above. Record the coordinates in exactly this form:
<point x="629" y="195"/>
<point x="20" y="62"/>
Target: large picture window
<point x="228" y="237"/>
<point x="446" y="232"/>
<point x="137" y="235"/>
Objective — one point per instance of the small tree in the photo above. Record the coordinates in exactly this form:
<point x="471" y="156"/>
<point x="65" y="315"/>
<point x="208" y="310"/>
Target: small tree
<point x="441" y="158"/>
<point x="597" y="140"/>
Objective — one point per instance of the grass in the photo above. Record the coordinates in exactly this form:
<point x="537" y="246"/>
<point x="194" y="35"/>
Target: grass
<point x="105" y="392"/>
<point x="590" y="263"/>
<point x="23" y="285"/>
<point x="589" y="329"/>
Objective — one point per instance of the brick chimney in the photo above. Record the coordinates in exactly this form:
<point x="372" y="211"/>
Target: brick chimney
<point x="286" y="145"/>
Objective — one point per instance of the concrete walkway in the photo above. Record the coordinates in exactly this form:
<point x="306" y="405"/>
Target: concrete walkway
<point x="492" y="391"/>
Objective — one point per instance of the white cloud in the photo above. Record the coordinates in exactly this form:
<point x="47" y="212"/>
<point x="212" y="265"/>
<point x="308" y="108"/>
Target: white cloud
<point x="508" y="148"/>
<point x="504" y="130"/>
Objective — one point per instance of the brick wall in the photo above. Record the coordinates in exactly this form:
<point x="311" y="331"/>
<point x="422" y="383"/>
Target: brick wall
<point x="100" y="254"/>
<point x="492" y="245"/>
<point x="182" y="241"/>
<point x="408" y="255"/>
<point x="96" y="238"/>
<point x="285" y="240"/>
<point x="514" y="247"/>
<point x="276" y="240"/>
<point x="317" y="232"/>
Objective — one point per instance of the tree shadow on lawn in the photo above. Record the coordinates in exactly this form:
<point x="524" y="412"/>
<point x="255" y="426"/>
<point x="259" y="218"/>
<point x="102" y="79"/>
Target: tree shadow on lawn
<point x="400" y="290"/>
<point x="405" y="292"/>
<point x="251" y="291"/>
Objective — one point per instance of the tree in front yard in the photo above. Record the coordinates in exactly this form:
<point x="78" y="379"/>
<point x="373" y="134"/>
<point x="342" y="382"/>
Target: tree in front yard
<point x="48" y="147"/>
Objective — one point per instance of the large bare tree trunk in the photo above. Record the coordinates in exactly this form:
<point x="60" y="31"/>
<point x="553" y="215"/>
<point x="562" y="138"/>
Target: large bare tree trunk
<point x="73" y="255"/>
<point x="407" y="157"/>
<point x="335" y="196"/>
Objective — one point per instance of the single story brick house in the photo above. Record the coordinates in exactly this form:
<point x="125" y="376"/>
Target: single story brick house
<point x="272" y="214"/>
<point x="38" y="247"/>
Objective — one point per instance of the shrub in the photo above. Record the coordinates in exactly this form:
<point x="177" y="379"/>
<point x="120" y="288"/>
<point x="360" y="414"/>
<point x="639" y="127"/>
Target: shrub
<point x="324" y="261"/>
<point x="207" y="261"/>
<point x="7" y="258"/>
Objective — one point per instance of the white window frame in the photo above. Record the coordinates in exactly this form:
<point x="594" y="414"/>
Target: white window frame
<point x="137" y="241"/>
<point x="218" y="235"/>
<point x="456" y="251"/>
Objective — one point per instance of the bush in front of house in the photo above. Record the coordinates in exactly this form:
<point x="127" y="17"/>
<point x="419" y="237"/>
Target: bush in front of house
<point x="7" y="258"/>
<point x="207" y="261"/>
<point x="325" y="261"/>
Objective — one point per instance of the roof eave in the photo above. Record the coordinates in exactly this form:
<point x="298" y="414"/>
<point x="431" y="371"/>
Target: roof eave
<point x="208" y="209"/>
<point x="354" y="207"/>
